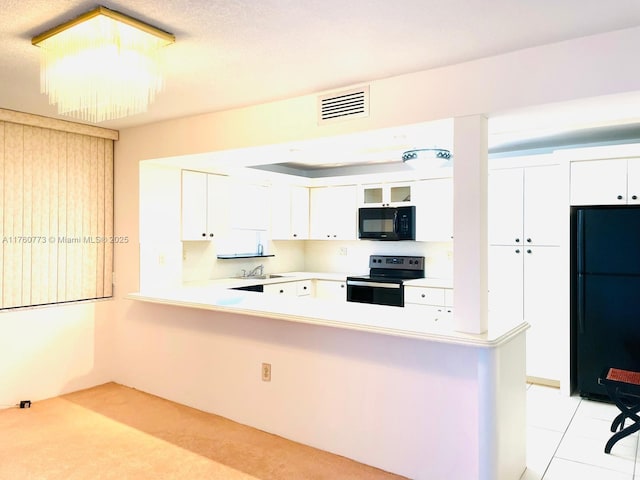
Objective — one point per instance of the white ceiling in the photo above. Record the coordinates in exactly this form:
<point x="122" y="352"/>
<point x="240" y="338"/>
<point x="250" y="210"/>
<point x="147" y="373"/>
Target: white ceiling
<point x="232" y="53"/>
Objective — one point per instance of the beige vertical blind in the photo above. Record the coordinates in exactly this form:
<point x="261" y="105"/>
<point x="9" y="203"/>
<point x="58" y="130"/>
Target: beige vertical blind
<point x="57" y="216"/>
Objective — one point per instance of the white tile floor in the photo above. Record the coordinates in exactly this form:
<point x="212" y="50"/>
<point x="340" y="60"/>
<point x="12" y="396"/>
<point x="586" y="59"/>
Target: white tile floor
<point x="566" y="438"/>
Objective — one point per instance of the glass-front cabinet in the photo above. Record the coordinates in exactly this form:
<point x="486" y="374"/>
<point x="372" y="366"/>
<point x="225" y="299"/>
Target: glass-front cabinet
<point x="386" y="195"/>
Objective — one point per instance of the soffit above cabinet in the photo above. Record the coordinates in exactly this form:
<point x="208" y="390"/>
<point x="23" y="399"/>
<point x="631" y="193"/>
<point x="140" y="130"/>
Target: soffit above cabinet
<point x="376" y="155"/>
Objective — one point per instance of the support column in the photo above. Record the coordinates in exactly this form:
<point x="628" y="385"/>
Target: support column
<point x="470" y="148"/>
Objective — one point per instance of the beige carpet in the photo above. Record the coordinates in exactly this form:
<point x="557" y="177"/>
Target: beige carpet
<point x="115" y="432"/>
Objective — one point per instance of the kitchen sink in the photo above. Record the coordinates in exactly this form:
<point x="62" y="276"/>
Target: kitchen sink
<point x="262" y="277"/>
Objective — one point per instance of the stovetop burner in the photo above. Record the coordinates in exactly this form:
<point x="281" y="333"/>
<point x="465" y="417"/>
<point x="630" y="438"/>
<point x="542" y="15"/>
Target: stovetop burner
<point x="396" y="267"/>
<point x="393" y="268"/>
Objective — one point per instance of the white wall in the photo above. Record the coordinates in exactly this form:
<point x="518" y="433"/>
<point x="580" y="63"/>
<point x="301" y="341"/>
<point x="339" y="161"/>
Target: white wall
<point x="553" y="73"/>
<point x="48" y="351"/>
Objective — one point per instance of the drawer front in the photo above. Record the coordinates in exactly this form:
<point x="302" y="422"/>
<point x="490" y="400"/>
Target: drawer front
<point x="285" y="288"/>
<point x="424" y="295"/>
<point x="303" y="288"/>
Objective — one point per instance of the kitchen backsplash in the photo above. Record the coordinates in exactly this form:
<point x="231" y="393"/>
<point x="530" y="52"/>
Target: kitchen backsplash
<point x="200" y="262"/>
<point x="353" y="256"/>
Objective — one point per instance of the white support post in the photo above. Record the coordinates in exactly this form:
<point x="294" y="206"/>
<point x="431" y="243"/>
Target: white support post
<point x="470" y="148"/>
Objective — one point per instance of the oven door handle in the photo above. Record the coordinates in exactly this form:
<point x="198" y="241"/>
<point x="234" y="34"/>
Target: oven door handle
<point x="360" y="283"/>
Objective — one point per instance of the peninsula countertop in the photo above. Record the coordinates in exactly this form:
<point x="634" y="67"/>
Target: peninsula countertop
<point x="410" y="322"/>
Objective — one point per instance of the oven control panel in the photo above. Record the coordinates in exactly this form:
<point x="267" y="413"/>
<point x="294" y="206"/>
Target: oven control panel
<point x="396" y="262"/>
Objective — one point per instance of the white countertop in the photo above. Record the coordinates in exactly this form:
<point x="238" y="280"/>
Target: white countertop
<point x="411" y="322"/>
<point x="296" y="276"/>
<point x="430" y="282"/>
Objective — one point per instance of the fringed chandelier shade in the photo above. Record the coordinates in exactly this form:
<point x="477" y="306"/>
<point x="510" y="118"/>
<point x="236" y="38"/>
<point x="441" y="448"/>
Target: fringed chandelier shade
<point x="102" y="65"/>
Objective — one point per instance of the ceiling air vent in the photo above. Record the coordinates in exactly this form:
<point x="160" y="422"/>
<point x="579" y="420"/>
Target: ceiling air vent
<point x="344" y="105"/>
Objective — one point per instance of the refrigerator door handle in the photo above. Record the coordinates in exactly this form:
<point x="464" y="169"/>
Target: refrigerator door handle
<point x="580" y="241"/>
<point x="580" y="303"/>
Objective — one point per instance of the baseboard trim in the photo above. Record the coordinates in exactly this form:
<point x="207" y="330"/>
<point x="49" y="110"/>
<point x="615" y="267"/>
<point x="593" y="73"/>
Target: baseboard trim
<point x="543" y="381"/>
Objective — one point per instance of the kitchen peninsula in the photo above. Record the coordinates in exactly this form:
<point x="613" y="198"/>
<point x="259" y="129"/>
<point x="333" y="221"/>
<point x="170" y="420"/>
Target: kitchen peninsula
<point x="413" y="321"/>
<point x="387" y="386"/>
<point x="444" y="387"/>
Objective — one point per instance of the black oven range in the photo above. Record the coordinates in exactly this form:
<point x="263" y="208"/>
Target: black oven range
<point x="385" y="283"/>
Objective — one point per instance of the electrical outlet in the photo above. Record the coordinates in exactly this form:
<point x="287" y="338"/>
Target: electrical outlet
<point x="161" y="259"/>
<point x="343" y="251"/>
<point x="266" y="372"/>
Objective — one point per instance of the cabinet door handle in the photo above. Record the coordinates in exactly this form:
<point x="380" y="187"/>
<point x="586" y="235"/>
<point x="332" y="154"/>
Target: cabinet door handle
<point x="423" y="296"/>
<point x="211" y="234"/>
<point x="634" y="197"/>
<point x="528" y="240"/>
<point x="517" y="250"/>
<point x="281" y="291"/>
<point x="517" y="240"/>
<point x="529" y="250"/>
<point x="619" y="197"/>
<point x="204" y="234"/>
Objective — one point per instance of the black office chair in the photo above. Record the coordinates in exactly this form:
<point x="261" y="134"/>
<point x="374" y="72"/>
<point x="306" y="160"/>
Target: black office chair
<point x="623" y="387"/>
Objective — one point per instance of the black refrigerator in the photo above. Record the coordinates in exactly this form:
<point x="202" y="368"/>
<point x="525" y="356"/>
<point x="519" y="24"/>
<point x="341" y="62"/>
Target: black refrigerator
<point x="605" y="294"/>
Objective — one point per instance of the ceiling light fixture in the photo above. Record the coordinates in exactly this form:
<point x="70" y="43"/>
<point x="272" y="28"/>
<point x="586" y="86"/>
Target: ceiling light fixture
<point x="102" y="65"/>
<point x="428" y="155"/>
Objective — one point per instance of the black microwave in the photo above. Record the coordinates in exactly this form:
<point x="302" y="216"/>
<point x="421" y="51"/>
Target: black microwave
<point x="387" y="223"/>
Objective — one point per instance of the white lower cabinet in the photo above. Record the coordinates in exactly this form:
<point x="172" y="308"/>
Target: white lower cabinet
<point x="293" y="289"/>
<point x="335" y="290"/>
<point x="523" y="286"/>
<point x="440" y="298"/>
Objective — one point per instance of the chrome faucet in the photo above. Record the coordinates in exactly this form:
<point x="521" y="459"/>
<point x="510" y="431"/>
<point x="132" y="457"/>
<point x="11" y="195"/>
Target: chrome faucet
<point x="254" y="272"/>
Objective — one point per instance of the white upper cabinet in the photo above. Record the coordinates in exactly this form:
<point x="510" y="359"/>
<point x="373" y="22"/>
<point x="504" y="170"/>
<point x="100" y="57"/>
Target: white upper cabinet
<point x="633" y="180"/>
<point x="194" y="206"/>
<point x="252" y="210"/>
<point x="434" y="210"/>
<point x="385" y="195"/>
<point x="205" y="205"/>
<point x="605" y="182"/>
<point x="526" y="206"/>
<point x="506" y="206"/>
<point x="299" y="212"/>
<point x="333" y="213"/>
<point x="546" y="211"/>
<point x="290" y="213"/>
